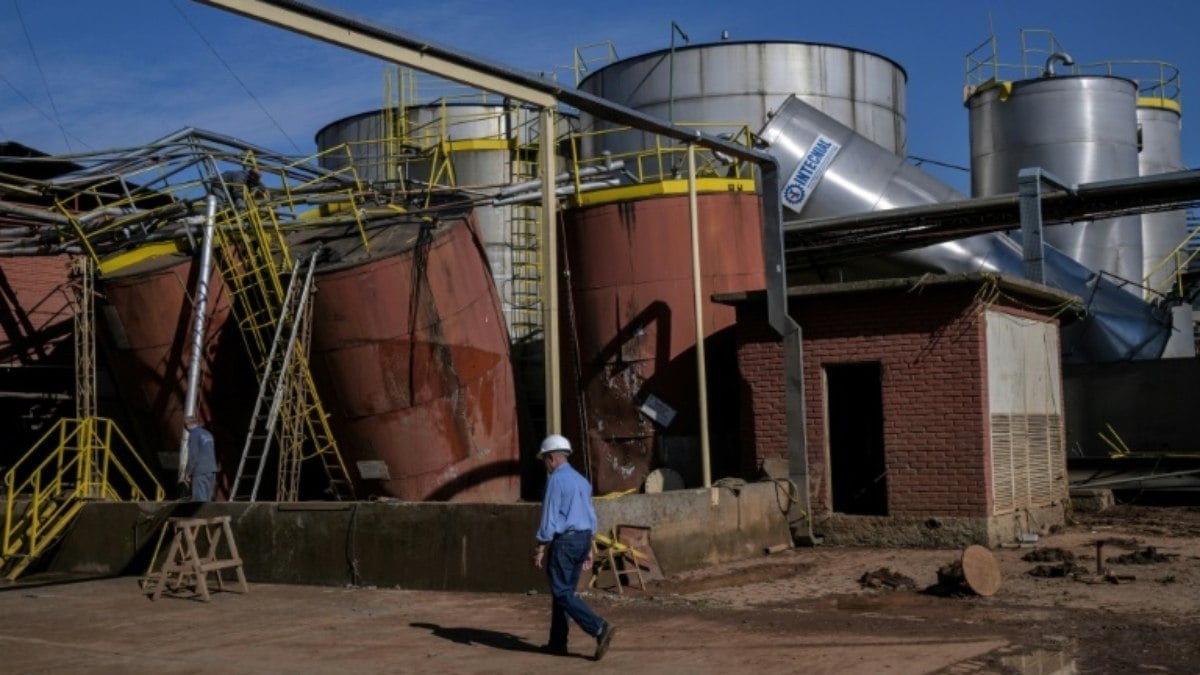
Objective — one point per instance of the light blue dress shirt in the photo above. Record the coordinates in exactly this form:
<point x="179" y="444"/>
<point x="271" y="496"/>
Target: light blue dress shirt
<point x="567" y="505"/>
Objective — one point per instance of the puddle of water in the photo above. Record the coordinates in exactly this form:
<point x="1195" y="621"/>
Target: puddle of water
<point x="1041" y="662"/>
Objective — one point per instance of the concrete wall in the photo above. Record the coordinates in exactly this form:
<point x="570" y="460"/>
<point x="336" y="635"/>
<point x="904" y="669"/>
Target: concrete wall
<point x="426" y="546"/>
<point x="937" y="532"/>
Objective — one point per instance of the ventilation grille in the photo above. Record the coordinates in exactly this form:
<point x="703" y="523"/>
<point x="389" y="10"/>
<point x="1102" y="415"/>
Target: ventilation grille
<point x="1028" y="461"/>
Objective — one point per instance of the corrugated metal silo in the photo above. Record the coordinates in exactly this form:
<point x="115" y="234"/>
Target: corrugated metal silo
<point x="742" y="83"/>
<point x="1081" y="129"/>
<point x="1159" y="127"/>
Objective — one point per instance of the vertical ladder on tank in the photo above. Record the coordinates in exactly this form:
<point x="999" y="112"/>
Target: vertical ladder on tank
<point x="525" y="295"/>
<point x="252" y="257"/>
<point x="275" y="381"/>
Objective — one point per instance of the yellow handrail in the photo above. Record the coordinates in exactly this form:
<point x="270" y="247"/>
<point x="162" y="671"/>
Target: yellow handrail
<point x="661" y="160"/>
<point x="1157" y="81"/>
<point x="81" y="464"/>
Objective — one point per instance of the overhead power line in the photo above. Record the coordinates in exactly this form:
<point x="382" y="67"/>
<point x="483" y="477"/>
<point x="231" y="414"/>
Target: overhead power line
<point x="45" y="83"/>
<point x="235" y="76"/>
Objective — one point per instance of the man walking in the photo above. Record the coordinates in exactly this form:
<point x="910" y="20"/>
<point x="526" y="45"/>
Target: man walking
<point x="564" y="547"/>
<point x="201" y="472"/>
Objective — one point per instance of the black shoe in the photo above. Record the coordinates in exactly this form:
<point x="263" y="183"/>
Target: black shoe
<point x="555" y="650"/>
<point x="603" y="640"/>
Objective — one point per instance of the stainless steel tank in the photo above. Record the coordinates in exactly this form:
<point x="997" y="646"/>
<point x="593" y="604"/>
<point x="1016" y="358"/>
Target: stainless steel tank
<point x="1160" y="151"/>
<point x="829" y="170"/>
<point x="732" y="84"/>
<point x="467" y="145"/>
<point x="1079" y="128"/>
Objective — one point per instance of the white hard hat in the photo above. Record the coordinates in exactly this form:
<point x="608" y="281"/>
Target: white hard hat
<point x="554" y="443"/>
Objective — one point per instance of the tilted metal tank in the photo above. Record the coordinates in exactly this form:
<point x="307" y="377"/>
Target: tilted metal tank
<point x="409" y="348"/>
<point x="728" y="84"/>
<point x="832" y="171"/>
<point x="1080" y="129"/>
<point x="146" y="316"/>
<point x="461" y="144"/>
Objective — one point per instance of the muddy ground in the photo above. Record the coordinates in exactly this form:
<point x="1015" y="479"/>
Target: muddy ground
<point x="803" y="610"/>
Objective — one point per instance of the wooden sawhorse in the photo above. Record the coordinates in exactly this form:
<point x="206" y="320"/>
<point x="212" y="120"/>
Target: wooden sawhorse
<point x="194" y="554"/>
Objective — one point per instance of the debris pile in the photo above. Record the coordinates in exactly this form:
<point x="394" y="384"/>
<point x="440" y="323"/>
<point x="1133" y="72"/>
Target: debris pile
<point x="1146" y="556"/>
<point x="885" y="578"/>
<point x="1051" y="554"/>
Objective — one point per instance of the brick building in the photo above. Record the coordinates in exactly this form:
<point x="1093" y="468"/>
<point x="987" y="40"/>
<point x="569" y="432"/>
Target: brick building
<point x="933" y="406"/>
<point x="37" y="355"/>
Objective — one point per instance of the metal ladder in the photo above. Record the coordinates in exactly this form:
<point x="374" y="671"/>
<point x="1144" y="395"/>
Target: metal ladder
<point x="247" y="263"/>
<point x="275" y="382"/>
<point x="525" y="292"/>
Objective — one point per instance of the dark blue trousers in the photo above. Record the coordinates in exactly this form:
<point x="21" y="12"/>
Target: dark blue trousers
<point x="565" y="562"/>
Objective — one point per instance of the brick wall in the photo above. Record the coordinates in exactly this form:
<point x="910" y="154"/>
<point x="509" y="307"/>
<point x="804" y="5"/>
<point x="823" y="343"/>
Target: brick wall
<point x="35" y="309"/>
<point x="37" y="357"/>
<point x="931" y="349"/>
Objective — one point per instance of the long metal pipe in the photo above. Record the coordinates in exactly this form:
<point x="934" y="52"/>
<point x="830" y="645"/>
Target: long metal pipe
<point x="570" y="189"/>
<point x="530" y="185"/>
<point x="698" y="309"/>
<point x="553" y="375"/>
<point x="199" y="326"/>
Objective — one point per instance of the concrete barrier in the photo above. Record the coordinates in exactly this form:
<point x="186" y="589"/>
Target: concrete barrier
<point x="422" y="545"/>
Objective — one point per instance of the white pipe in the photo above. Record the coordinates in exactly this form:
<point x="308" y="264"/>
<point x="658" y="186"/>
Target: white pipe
<point x="550" y="335"/>
<point x="199" y="327"/>
<point x="525" y="186"/>
<point x="564" y="190"/>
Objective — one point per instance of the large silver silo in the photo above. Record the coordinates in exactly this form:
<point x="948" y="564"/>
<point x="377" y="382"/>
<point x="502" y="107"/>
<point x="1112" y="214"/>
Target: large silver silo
<point x="728" y="85"/>
<point x="1079" y="128"/>
<point x="469" y="146"/>
<point x="828" y="170"/>
<point x="1159" y="129"/>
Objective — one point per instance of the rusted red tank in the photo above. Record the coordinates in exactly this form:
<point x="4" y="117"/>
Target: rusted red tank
<point x="411" y="346"/>
<point x="144" y="328"/>
<point x="409" y="352"/>
<point x="628" y="302"/>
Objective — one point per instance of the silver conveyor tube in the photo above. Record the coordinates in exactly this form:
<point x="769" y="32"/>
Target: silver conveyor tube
<point x="832" y="171"/>
<point x="199" y="327"/>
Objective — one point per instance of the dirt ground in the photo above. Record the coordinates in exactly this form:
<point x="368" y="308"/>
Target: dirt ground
<point x="802" y="610"/>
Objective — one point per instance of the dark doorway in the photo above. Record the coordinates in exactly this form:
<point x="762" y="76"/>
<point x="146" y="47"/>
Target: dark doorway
<point x="858" y="474"/>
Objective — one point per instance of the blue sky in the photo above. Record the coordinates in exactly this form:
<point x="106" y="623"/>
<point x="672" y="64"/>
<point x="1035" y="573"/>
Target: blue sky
<point x="83" y="75"/>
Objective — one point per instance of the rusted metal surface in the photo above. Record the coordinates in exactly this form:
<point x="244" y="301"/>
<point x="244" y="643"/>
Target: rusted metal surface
<point x="628" y="306"/>
<point x="145" y="318"/>
<point x="411" y="347"/>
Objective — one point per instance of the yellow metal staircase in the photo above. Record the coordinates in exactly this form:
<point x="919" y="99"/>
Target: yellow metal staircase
<point x="78" y="463"/>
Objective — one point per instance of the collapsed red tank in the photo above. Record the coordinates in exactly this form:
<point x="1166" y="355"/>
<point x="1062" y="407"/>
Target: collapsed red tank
<point x="409" y="351"/>
<point x="411" y="346"/>
<point x="144" y="328"/>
